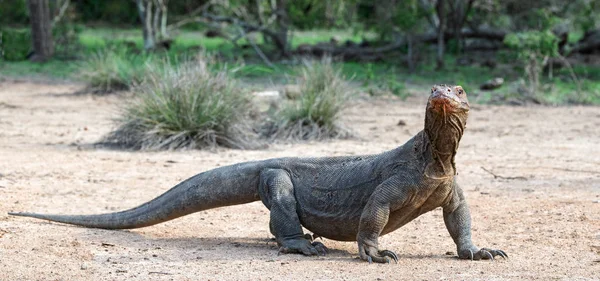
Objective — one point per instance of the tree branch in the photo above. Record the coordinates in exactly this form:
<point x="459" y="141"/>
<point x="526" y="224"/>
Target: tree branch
<point x="61" y="12"/>
<point x="256" y="48"/>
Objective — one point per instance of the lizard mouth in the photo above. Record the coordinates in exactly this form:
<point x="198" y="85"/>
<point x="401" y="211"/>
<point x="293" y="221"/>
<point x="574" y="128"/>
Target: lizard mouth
<point x="442" y="102"/>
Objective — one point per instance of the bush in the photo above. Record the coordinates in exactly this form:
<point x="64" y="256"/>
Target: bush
<point x="14" y="13"/>
<point x="185" y="107"/>
<point x="66" y="39"/>
<point x="324" y="93"/>
<point x="533" y="47"/>
<point x="15" y="44"/>
<point x="113" y="69"/>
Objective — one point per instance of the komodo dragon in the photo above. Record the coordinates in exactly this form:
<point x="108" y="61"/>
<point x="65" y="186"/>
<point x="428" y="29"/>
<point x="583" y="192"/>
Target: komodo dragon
<point x="340" y="198"/>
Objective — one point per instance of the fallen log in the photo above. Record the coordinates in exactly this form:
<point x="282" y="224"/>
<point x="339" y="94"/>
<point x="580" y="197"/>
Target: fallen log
<point x="364" y="51"/>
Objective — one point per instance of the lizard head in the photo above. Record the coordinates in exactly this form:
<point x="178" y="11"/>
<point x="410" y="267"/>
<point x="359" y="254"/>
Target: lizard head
<point x="447" y="105"/>
<point x="445" y="121"/>
<point x="448" y="100"/>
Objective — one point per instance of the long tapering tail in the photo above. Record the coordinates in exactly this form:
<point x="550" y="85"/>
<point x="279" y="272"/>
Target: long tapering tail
<point x="232" y="185"/>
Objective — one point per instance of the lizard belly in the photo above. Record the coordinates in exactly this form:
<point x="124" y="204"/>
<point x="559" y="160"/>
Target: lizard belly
<point x="335" y="228"/>
<point x="333" y="213"/>
<point x="332" y="208"/>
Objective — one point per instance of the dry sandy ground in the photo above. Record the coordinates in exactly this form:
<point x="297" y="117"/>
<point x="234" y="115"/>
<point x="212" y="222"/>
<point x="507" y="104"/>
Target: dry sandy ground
<point x="541" y="207"/>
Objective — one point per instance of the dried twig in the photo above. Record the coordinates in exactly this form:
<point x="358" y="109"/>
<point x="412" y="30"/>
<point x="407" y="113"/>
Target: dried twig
<point x="159" y="272"/>
<point x="502" y="177"/>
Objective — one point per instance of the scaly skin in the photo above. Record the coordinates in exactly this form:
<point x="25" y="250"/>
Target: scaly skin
<point x="341" y="198"/>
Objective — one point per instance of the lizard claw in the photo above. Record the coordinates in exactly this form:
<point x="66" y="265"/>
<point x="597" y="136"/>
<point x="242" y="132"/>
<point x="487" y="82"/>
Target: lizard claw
<point x="388" y="253"/>
<point x="481" y="254"/>
<point x="302" y="246"/>
<point x="385" y="256"/>
<point x="320" y="247"/>
<point x="487" y="254"/>
<point x="494" y="253"/>
<point x="502" y="254"/>
<point x="368" y="251"/>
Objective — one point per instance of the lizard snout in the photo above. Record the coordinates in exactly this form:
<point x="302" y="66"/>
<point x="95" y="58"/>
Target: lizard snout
<point x="444" y="98"/>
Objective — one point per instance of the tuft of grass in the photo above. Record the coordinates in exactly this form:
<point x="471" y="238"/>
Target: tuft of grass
<point x="185" y="107"/>
<point x="111" y="69"/>
<point x="324" y="93"/>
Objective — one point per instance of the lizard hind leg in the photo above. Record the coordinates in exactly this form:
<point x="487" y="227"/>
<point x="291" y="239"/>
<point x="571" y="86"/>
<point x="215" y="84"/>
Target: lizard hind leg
<point x="277" y="193"/>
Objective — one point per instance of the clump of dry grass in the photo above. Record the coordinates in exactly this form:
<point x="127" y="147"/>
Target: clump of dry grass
<point x="188" y="106"/>
<point x="315" y="115"/>
<point x="113" y="70"/>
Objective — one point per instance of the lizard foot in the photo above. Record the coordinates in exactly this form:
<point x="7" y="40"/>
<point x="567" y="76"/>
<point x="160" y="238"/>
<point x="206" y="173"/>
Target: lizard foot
<point x="303" y="246"/>
<point x="481" y="254"/>
<point x="372" y="254"/>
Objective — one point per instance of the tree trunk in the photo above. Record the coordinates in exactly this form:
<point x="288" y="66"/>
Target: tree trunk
<point x="162" y="5"/>
<point x="410" y="55"/>
<point x="156" y="22"/>
<point x="41" y="30"/>
<point x="457" y="11"/>
<point x="441" y="13"/>
<point x="281" y="41"/>
<point x="145" y="11"/>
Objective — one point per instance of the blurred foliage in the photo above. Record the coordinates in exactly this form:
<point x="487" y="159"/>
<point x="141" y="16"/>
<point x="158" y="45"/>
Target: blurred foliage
<point x="540" y="43"/>
<point x="533" y="50"/>
<point x="108" y="11"/>
<point x="13" y="12"/>
<point x="15" y="44"/>
<point x="537" y="31"/>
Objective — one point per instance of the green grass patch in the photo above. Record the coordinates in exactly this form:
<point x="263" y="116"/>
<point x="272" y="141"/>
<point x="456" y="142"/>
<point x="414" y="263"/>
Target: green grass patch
<point x="318" y="36"/>
<point x="55" y="69"/>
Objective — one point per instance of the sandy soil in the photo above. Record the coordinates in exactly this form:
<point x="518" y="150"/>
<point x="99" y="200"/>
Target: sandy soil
<point x="541" y="207"/>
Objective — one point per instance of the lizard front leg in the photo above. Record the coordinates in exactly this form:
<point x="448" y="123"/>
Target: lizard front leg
<point x="374" y="218"/>
<point x="458" y="222"/>
<point x="277" y="192"/>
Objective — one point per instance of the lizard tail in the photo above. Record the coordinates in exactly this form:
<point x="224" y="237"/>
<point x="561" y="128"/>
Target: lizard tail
<point x="233" y="185"/>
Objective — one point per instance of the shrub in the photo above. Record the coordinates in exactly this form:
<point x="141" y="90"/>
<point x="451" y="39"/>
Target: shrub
<point x="324" y="93"/>
<point x="111" y="70"/>
<point x="184" y="107"/>
<point x="533" y="47"/>
<point x="15" y="44"/>
<point x="66" y="39"/>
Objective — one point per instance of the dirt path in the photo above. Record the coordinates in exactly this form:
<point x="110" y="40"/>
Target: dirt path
<point x="541" y="207"/>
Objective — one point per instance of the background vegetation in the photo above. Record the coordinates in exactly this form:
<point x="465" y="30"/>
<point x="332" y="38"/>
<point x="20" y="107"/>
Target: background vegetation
<point x="513" y="51"/>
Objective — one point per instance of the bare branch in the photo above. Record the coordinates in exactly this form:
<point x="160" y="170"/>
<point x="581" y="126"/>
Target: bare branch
<point x="256" y="48"/>
<point x="61" y="12"/>
<point x="191" y="16"/>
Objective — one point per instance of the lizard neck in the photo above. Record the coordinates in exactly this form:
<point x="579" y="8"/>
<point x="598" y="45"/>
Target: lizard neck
<point x="440" y="144"/>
